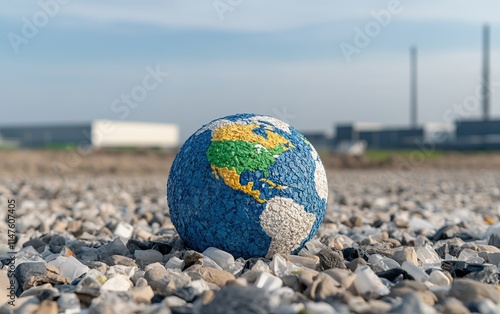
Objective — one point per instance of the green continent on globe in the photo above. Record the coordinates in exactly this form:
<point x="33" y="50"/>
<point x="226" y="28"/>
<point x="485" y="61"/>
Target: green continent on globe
<point x="237" y="148"/>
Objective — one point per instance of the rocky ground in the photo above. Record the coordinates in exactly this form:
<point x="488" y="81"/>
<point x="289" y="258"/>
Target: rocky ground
<point x="394" y="241"/>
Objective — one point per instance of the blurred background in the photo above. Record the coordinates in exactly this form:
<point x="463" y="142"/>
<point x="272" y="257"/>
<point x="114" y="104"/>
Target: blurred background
<point x="368" y="79"/>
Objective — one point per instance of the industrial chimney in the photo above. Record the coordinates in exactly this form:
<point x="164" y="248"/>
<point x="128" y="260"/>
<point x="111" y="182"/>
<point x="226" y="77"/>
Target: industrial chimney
<point x="486" y="72"/>
<point x="413" y="86"/>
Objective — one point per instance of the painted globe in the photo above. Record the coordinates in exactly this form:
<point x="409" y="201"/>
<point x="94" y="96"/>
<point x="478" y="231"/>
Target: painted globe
<point x="248" y="184"/>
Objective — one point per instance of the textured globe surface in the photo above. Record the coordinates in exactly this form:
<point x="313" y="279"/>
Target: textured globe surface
<point x="248" y="184"/>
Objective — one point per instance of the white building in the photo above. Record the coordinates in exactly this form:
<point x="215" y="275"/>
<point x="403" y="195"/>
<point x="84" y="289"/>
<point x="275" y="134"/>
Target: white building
<point x="106" y="133"/>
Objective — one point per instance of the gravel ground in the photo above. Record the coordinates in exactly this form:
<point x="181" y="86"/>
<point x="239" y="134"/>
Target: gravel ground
<point x="400" y="241"/>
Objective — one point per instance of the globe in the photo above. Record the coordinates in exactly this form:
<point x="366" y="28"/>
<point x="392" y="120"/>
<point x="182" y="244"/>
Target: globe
<point x="248" y="184"/>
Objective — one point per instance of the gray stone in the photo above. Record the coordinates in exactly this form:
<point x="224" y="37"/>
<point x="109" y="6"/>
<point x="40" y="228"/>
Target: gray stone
<point x="291" y="281"/>
<point x="57" y="243"/>
<point x="494" y="240"/>
<point x="483" y="255"/>
<point x="141" y="282"/>
<point x="412" y="304"/>
<point x="90" y="282"/>
<point x="6" y="309"/>
<point x="425" y="296"/>
<point x="86" y="295"/>
<point x="494" y="258"/>
<point x="187" y="293"/>
<point x="25" y="270"/>
<point x="146" y="257"/>
<point x="410" y="286"/>
<point x="35" y="243"/>
<point x="156" y="275"/>
<point x="489" y="275"/>
<point x="117" y="247"/>
<point x="446" y="232"/>
<point x="468" y="290"/>
<point x="92" y="255"/>
<point x="239" y="300"/>
<point x="330" y="259"/>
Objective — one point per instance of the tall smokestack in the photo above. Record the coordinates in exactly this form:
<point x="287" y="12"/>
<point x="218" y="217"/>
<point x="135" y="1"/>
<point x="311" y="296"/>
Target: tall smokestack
<point x="413" y="86"/>
<point x="486" y="72"/>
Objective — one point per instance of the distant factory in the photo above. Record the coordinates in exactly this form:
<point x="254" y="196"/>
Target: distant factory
<point x="480" y="134"/>
<point x="355" y="137"/>
<point x="97" y="134"/>
<point x="379" y="137"/>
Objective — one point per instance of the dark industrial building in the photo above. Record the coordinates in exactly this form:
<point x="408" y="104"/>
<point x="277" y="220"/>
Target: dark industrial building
<point x="48" y="135"/>
<point x="377" y="137"/>
<point x="480" y="134"/>
<point x="477" y="135"/>
<point x="472" y="135"/>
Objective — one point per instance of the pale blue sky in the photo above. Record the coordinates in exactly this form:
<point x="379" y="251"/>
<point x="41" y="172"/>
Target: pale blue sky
<point x="264" y="57"/>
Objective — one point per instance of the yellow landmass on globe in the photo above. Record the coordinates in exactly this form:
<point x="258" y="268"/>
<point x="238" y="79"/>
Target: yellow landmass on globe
<point x="244" y="133"/>
<point x="232" y="179"/>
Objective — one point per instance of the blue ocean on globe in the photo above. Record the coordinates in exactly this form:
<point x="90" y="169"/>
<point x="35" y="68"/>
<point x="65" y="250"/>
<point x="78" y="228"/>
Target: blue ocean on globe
<point x="248" y="184"/>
